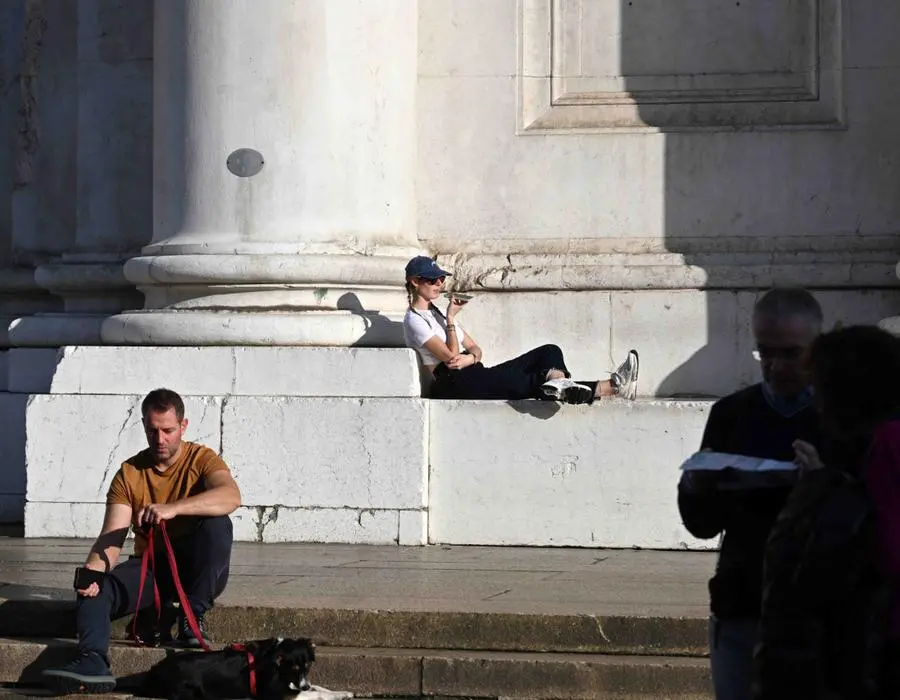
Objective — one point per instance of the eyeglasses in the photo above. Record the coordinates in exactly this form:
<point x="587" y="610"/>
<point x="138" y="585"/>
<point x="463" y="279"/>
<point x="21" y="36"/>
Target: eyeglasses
<point x="766" y="353"/>
<point x="439" y="280"/>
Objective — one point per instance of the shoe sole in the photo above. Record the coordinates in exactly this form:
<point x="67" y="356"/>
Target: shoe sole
<point x="551" y="392"/>
<point x="576" y="395"/>
<point x="66" y="683"/>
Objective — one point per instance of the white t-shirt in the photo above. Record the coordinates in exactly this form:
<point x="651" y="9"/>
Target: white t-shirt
<point x="420" y="325"/>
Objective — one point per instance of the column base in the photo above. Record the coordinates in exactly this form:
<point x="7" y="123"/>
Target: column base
<point x="891" y="325"/>
<point x="215" y="371"/>
<point x="271" y="281"/>
<point x="305" y="328"/>
<point x="89" y="286"/>
<point x="205" y="328"/>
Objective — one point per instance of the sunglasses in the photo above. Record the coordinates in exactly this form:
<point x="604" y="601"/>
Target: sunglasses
<point x="439" y="280"/>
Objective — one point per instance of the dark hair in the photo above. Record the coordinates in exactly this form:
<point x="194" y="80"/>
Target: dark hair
<point x="781" y="302"/>
<point x="161" y="400"/>
<point x="856" y="378"/>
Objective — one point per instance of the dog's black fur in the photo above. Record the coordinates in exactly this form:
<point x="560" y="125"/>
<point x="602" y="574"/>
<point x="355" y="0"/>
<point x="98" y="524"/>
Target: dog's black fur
<point x="281" y="669"/>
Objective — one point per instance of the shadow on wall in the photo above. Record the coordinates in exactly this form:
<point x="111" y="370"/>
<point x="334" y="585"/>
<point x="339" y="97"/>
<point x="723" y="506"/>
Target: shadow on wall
<point x="380" y="331"/>
<point x="12" y="459"/>
<point x="780" y="162"/>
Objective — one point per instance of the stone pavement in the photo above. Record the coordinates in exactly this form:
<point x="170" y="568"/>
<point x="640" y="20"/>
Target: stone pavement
<point x="415" y="622"/>
<point x="436" y="578"/>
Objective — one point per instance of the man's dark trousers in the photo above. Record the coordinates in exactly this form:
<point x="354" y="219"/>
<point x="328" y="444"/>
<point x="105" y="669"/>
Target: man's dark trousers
<point x="203" y="557"/>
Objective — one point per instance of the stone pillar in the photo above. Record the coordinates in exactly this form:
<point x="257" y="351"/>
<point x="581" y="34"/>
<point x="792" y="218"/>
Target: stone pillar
<point x="284" y="174"/>
<point x="35" y="208"/>
<point x="11" y="30"/>
<point x="44" y="201"/>
<point x="113" y="154"/>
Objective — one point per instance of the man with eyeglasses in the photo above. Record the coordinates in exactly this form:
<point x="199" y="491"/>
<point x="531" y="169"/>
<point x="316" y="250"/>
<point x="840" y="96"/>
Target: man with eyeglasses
<point x="773" y="420"/>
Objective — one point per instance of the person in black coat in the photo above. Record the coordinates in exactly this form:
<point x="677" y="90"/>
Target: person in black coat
<point x="764" y="420"/>
<point x="830" y="622"/>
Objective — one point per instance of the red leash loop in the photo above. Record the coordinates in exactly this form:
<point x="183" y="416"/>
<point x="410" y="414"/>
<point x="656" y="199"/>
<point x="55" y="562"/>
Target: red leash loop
<point x="252" y="663"/>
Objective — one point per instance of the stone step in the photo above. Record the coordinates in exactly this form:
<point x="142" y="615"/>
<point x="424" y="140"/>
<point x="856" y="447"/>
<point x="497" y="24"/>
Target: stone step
<point x="415" y="673"/>
<point x="14" y="691"/>
<point x="404" y="629"/>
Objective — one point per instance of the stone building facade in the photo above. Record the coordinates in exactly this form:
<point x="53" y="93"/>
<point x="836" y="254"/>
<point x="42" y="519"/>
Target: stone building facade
<point x="220" y="196"/>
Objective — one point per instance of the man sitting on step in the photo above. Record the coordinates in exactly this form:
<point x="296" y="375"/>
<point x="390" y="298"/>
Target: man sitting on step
<point x="181" y="482"/>
<point x="764" y="420"/>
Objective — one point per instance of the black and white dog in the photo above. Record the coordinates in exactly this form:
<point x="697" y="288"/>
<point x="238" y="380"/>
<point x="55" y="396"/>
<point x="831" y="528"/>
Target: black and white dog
<point x="280" y="667"/>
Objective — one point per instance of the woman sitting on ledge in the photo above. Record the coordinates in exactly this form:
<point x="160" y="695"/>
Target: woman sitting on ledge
<point x="454" y="359"/>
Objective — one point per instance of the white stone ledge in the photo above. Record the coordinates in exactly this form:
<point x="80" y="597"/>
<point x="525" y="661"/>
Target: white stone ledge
<point x="535" y="473"/>
<point x="74" y="444"/>
<point x="258" y="371"/>
<point x="270" y="524"/>
<point x="53" y="330"/>
<point x="401" y="470"/>
<point x="289" y="451"/>
<point x="323" y="452"/>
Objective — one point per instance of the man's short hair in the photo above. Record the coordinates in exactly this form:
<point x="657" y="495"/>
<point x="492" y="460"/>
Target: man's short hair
<point x="161" y="400"/>
<point x="783" y="302"/>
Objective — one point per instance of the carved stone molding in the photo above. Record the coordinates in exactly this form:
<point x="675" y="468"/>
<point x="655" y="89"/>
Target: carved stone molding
<point x="613" y="65"/>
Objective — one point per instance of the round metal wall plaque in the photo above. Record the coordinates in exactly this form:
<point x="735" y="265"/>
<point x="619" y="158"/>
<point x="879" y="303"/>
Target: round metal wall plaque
<point x="245" y="162"/>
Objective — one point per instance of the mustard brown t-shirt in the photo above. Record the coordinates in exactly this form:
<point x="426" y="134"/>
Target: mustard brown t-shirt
<point x="138" y="483"/>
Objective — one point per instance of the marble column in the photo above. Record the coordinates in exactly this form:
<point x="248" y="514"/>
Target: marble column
<point x="284" y="174"/>
<point x="113" y="151"/>
<point x="26" y="215"/>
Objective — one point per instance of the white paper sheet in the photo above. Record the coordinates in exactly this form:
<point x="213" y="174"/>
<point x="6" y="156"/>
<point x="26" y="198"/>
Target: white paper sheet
<point x="716" y="461"/>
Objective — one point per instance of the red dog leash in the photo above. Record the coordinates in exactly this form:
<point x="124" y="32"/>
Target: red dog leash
<point x="148" y="561"/>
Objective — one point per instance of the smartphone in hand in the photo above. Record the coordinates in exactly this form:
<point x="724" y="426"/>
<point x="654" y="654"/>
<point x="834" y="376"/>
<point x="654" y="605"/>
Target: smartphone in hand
<point x="459" y="296"/>
<point x="85" y="577"/>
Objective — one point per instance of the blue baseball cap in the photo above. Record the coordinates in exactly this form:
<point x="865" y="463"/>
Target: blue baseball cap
<point x="424" y="267"/>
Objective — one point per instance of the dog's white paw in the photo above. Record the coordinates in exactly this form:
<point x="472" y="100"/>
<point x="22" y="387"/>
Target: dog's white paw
<point x="318" y="693"/>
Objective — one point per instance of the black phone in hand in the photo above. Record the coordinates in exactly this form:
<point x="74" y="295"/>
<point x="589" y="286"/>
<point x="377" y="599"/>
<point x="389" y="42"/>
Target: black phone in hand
<point x="85" y="577"/>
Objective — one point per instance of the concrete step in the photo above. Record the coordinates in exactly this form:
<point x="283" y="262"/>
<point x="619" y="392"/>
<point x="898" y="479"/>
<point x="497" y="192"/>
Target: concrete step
<point x="416" y="673"/>
<point x="404" y="629"/>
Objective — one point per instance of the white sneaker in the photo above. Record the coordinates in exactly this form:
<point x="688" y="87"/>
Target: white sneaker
<point x="567" y="391"/>
<point x="626" y="376"/>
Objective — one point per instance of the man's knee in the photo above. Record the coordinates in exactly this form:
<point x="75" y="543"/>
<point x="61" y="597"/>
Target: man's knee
<point x="213" y="534"/>
<point x="217" y="527"/>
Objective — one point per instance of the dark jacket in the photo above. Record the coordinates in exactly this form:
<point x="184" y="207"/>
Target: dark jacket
<point x="743" y="423"/>
<point x="824" y="609"/>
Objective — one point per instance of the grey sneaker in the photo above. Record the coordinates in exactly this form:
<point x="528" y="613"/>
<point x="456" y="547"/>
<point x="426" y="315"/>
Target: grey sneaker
<point x="626" y="376"/>
<point x="88" y="672"/>
<point x="567" y="391"/>
<point x="186" y="636"/>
